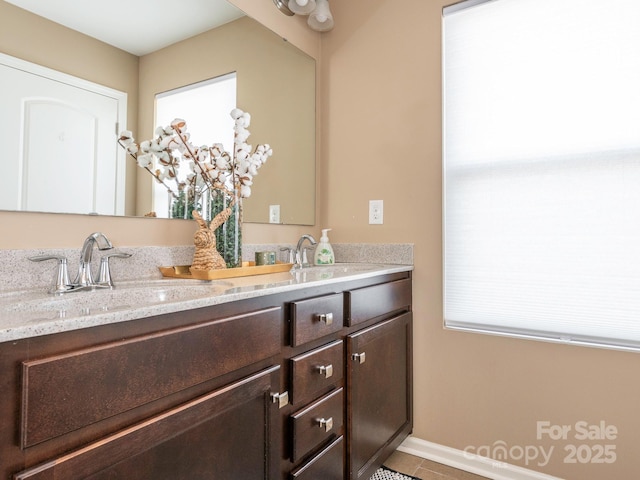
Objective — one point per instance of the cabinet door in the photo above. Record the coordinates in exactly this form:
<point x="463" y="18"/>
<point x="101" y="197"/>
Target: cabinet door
<point x="228" y="434"/>
<point x="379" y="393"/>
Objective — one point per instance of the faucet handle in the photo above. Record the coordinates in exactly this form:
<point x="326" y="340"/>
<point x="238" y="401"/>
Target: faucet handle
<point x="104" y="277"/>
<point x="61" y="280"/>
<point x="289" y="251"/>
<point x="305" y="258"/>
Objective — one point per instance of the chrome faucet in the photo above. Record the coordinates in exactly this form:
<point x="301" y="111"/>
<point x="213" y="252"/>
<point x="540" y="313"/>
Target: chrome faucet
<point x="84" y="280"/>
<point x="301" y="259"/>
<point x="84" y="277"/>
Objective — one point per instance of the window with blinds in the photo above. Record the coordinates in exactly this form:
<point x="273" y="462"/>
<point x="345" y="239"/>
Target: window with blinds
<point x="541" y="102"/>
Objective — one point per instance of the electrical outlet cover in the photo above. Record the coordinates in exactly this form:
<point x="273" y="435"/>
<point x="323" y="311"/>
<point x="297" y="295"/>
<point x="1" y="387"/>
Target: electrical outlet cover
<point x="274" y="213"/>
<point x="376" y="211"/>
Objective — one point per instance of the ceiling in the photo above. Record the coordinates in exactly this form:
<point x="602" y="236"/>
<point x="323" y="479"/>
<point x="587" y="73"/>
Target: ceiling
<point x="141" y="26"/>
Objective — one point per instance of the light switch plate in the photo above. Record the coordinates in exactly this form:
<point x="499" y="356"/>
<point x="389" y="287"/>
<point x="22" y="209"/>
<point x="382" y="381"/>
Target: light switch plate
<point x="376" y="210"/>
<point x="274" y="213"/>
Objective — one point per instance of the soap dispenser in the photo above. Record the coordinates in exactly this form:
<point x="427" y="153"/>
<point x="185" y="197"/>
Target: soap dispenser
<point x="324" y="252"/>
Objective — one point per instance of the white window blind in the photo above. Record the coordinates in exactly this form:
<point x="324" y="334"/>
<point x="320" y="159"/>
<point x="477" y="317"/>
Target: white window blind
<point x="542" y="169"/>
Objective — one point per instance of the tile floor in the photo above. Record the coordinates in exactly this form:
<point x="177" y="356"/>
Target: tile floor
<point x="426" y="469"/>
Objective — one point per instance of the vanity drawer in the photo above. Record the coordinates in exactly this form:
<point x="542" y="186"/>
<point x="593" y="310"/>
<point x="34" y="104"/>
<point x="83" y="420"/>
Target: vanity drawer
<point x="326" y="465"/>
<point x="315" y="318"/>
<point x="67" y="392"/>
<point x="316" y="370"/>
<point x="316" y="423"/>
<point x="370" y="302"/>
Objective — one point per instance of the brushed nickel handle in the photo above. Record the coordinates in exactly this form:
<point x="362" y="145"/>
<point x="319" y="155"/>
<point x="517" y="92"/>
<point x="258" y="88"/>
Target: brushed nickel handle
<point x="359" y="357"/>
<point x="325" y="423"/>
<point x="281" y="399"/>
<point x="326" y="318"/>
<point x="326" y="370"/>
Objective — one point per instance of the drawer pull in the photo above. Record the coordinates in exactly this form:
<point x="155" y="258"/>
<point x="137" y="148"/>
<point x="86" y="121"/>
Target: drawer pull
<point x="326" y="318"/>
<point x="359" y="357"/>
<point x="326" y="370"/>
<point x="281" y="399"/>
<point x="325" y="423"/>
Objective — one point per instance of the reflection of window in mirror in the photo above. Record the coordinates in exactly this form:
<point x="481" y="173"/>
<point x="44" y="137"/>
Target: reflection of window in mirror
<point x="206" y="107"/>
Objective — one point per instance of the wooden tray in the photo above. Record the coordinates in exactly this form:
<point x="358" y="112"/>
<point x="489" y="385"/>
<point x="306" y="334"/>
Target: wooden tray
<point x="247" y="269"/>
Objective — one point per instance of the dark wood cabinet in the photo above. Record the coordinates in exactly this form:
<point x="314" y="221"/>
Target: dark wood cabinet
<point x="309" y="384"/>
<point x="226" y="434"/>
<point x="379" y="394"/>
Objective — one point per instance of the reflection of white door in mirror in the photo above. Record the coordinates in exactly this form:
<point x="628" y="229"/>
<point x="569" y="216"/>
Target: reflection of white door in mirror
<point x="58" y="136"/>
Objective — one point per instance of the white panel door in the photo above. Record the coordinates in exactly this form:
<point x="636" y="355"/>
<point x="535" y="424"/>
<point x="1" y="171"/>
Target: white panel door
<point x="60" y="151"/>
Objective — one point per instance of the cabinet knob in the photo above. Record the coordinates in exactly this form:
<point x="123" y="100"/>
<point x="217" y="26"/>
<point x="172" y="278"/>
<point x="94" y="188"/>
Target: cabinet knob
<point x="326" y="318"/>
<point x="281" y="399"/>
<point x="326" y="370"/>
<point x="325" y="423"/>
<point x="359" y="357"/>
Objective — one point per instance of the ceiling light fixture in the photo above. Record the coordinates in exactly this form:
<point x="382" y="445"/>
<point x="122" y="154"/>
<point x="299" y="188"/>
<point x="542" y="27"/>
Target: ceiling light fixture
<point x="282" y="6"/>
<point x="320" y="17"/>
<point x="302" y="7"/>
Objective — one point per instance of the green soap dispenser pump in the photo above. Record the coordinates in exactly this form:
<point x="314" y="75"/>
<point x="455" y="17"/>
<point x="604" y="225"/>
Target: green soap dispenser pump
<point x="324" y="252"/>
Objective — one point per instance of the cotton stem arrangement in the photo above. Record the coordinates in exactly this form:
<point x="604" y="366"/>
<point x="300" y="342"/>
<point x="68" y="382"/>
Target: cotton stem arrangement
<point x="207" y="167"/>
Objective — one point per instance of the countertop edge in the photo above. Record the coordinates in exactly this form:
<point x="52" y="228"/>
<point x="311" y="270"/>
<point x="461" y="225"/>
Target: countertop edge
<point x="244" y="288"/>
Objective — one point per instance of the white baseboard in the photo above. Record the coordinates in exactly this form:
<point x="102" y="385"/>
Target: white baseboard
<point x="483" y="466"/>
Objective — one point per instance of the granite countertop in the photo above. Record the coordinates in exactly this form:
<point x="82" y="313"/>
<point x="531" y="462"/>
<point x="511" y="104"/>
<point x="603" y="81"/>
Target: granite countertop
<point x="30" y="313"/>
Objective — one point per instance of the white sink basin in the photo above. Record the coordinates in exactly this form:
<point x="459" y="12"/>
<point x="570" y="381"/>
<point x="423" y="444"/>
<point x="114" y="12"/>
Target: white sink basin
<point x="124" y="296"/>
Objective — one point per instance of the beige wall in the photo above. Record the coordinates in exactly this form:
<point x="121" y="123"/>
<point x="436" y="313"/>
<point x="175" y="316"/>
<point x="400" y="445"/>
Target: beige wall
<point x="382" y="139"/>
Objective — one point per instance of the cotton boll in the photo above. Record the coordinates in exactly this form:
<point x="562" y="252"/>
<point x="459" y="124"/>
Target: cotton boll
<point x="267" y="151"/>
<point x="222" y="177"/>
<point x="241" y="155"/>
<point x="145" y="146"/>
<point x="241" y="133"/>
<point x="126" y="137"/>
<point x="222" y="163"/>
<point x="167" y="142"/>
<point x="245" y="191"/>
<point x="241" y="137"/>
<point x="247" y="119"/>
<point x="165" y="159"/>
<point x="132" y="149"/>
<point x="179" y="125"/>
<point x="242" y="169"/>
<point x="154" y="146"/>
<point x="236" y="113"/>
<point x="145" y="161"/>
<point x="202" y="154"/>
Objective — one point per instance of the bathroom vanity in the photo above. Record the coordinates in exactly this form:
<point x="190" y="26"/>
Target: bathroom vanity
<point x="277" y="377"/>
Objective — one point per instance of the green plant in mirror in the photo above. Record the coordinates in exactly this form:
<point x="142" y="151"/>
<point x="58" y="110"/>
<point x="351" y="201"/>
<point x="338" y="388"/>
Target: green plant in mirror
<point x="229" y="234"/>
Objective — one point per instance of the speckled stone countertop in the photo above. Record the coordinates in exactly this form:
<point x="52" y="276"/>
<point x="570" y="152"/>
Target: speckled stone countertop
<point x="28" y="312"/>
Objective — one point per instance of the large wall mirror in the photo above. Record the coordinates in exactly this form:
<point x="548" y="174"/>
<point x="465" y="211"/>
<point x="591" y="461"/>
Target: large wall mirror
<point x="275" y="83"/>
